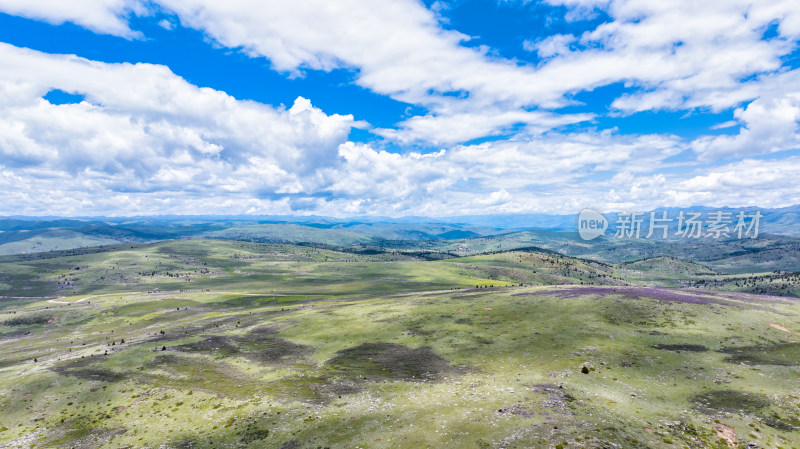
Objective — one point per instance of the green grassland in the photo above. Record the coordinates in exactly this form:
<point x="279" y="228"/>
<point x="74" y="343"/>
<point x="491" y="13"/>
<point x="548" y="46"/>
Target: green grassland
<point x="209" y="343"/>
<point x="208" y="264"/>
<point x="198" y="264"/>
<point x="286" y="232"/>
<point x="53" y="240"/>
<point x="735" y="256"/>
<point x="769" y="252"/>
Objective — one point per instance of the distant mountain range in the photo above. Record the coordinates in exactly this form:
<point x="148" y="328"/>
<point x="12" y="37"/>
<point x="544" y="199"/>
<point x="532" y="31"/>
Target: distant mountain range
<point x="35" y="234"/>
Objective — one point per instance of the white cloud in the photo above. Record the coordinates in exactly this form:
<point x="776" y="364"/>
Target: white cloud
<point x="138" y="119"/>
<point x="163" y="145"/>
<point x="770" y="124"/>
<point x="684" y="55"/>
<point x="166" y="24"/>
<point x="724" y="125"/>
<point x="102" y="16"/>
<point x="540" y="173"/>
<point x="398" y="47"/>
<point x="551" y="45"/>
<point x="672" y="55"/>
<point x="146" y="141"/>
<point x="751" y="182"/>
<point x="691" y="54"/>
<point x="756" y="176"/>
<point x="464" y="126"/>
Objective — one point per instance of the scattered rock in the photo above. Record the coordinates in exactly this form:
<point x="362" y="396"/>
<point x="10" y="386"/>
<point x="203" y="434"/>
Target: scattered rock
<point x="726" y="433"/>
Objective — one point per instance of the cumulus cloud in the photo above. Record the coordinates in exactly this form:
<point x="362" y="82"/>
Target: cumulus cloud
<point x="551" y="45"/>
<point x="691" y="54"/>
<point x="680" y="55"/>
<point x="146" y="141"/>
<point x="164" y="145"/>
<point x="750" y="182"/>
<point x="464" y="126"/>
<point x="674" y="55"/>
<point x="769" y="124"/>
<point x="538" y="173"/>
<point x="102" y="16"/>
<point x="143" y="124"/>
<point x="400" y="50"/>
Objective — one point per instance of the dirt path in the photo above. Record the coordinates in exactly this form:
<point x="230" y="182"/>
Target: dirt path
<point x="77" y="301"/>
<point x="56" y="301"/>
<point x="242" y="294"/>
<point x="781" y="328"/>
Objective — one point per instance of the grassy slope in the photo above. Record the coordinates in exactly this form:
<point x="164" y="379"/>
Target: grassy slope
<point x="291" y="233"/>
<point x="35" y="236"/>
<point x="204" y="263"/>
<point x="511" y="373"/>
<point x="53" y="240"/>
<point x="765" y="254"/>
<point x="287" y="346"/>
<point x="535" y="267"/>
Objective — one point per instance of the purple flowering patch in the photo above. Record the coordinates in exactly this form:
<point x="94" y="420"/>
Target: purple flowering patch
<point x="660" y="294"/>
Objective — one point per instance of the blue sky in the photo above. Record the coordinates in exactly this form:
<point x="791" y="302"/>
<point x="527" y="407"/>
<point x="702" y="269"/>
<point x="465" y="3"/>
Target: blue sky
<point x="396" y="107"/>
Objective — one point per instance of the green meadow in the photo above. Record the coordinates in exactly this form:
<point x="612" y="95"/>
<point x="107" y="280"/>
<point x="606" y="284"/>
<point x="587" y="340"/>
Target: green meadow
<point x="210" y="343"/>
